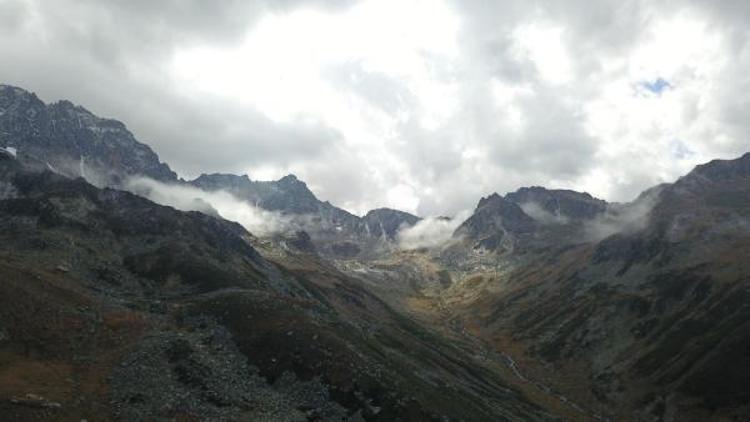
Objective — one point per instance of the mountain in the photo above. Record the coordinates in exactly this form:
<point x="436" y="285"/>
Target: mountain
<point x="70" y="140"/>
<point x="73" y="141"/>
<point x="333" y="230"/>
<point x="648" y="323"/>
<point x="557" y="203"/>
<point x="288" y="195"/>
<point x="386" y="222"/>
<point x="496" y="223"/>
<point x="543" y="305"/>
<point x="150" y="312"/>
<point x="534" y="219"/>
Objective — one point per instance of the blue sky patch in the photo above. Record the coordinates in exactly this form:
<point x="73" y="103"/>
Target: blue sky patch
<point x="657" y="86"/>
<point x="680" y="150"/>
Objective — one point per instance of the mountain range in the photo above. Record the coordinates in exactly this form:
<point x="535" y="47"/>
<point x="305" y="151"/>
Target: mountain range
<point x="120" y="303"/>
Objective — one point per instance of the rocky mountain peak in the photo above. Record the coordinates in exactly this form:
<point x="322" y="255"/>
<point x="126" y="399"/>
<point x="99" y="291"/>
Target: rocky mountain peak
<point x="75" y="142"/>
<point x="291" y="185"/>
<point x="387" y="222"/>
<point x="713" y="177"/>
<point x="288" y="194"/>
<point x="382" y="212"/>
<point x="498" y="204"/>
<point x="494" y="198"/>
<point x="70" y="107"/>
<point x="496" y="221"/>
<point x="17" y="102"/>
<point x="562" y="203"/>
<point x="10" y="91"/>
<point x="718" y="170"/>
<point x="221" y="181"/>
<point x="290" y="179"/>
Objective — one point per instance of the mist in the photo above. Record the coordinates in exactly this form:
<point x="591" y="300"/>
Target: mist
<point x="535" y="211"/>
<point x="217" y="203"/>
<point x="431" y="232"/>
<point x="621" y="218"/>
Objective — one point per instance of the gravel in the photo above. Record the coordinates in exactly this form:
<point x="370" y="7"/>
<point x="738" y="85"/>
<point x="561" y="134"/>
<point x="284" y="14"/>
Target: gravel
<point x="199" y="373"/>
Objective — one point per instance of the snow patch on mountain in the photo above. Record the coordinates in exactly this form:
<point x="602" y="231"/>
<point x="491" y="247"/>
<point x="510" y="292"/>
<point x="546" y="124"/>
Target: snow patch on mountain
<point x="10" y="150"/>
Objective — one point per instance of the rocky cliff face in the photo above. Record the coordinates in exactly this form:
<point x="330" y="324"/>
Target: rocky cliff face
<point x="73" y="141"/>
<point x="386" y="223"/>
<point x="497" y="223"/>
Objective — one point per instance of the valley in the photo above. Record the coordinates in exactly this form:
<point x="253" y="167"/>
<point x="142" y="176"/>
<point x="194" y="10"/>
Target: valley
<point x="129" y="300"/>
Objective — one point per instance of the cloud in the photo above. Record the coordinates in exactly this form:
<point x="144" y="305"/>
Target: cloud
<point x="538" y="213"/>
<point x="426" y="105"/>
<point x="12" y="16"/>
<point x="431" y="232"/>
<point x="622" y="218"/>
<point x="192" y="130"/>
<point x="186" y="198"/>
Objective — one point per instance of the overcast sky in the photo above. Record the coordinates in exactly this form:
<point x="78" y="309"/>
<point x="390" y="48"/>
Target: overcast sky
<point x="420" y="105"/>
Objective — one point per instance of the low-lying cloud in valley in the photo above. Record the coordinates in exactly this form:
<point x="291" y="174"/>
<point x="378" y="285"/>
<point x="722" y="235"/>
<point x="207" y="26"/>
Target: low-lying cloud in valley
<point x="219" y="203"/>
<point x="430" y="232"/>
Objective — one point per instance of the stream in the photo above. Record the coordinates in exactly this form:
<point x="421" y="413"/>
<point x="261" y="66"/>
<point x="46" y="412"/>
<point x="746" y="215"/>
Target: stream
<point x="457" y="327"/>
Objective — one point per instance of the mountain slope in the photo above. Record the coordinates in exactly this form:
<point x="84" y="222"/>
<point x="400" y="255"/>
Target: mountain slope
<point x="497" y="223"/>
<point x="153" y="312"/>
<point x="648" y="323"/>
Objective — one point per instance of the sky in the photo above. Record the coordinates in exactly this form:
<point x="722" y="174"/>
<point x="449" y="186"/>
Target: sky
<point x="423" y="106"/>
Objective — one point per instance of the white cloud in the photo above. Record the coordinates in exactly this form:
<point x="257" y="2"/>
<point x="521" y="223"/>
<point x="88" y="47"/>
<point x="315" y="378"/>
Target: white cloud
<point x="186" y="198"/>
<point x="431" y="232"/>
<point x="421" y="105"/>
<point x="538" y="213"/>
<point x="543" y="44"/>
<point x="637" y="128"/>
<point x="279" y="66"/>
<point x="621" y="218"/>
